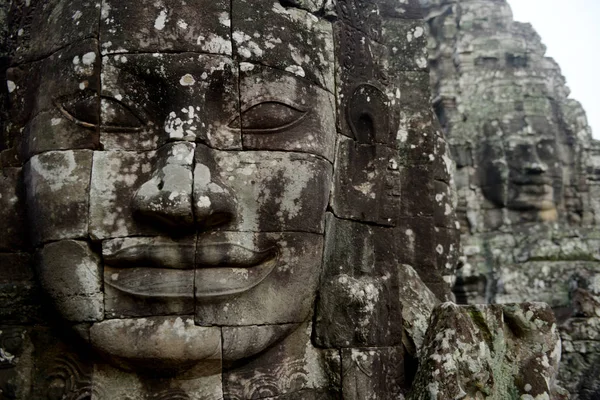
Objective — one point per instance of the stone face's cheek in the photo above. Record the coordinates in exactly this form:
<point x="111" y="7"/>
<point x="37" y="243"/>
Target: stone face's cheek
<point x="116" y="177"/>
<point x="72" y="275"/>
<point x="273" y="191"/>
<point x="283" y="112"/>
<point x="284" y="296"/>
<point x="57" y="187"/>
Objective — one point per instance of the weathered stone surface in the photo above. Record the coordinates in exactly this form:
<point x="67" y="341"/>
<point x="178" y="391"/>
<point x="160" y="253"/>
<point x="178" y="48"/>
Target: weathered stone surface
<point x="373" y="372"/>
<point x="149" y="99"/>
<point x="291" y="366"/>
<point x="57" y="190"/>
<point x="19" y="291"/>
<point x="525" y="177"/>
<point x="52" y="130"/>
<point x="171" y="342"/>
<point x="273" y="101"/>
<point x="367" y="183"/>
<point x="197" y="26"/>
<point x="15" y="370"/>
<point x="59" y="370"/>
<point x="272" y="191"/>
<point x="418" y="302"/>
<point x="167" y="195"/>
<point x="489" y="351"/>
<point x="273" y="276"/>
<point x="241" y="342"/>
<point x="70" y="272"/>
<point x="65" y="80"/>
<point x="203" y="383"/>
<point x="116" y="176"/>
<point x="36" y="32"/>
<point x="12" y="210"/>
<point x="186" y="243"/>
<point x="289" y="39"/>
<point x="137" y="292"/>
<point x="359" y="302"/>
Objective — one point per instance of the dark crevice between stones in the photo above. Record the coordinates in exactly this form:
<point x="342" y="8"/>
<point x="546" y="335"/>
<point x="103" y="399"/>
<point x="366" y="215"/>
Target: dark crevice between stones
<point x="326" y="10"/>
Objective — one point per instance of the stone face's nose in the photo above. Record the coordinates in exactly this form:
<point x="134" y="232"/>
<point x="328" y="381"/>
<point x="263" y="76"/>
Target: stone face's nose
<point x="214" y="204"/>
<point x="166" y="198"/>
<point x="184" y="192"/>
<point x="532" y="164"/>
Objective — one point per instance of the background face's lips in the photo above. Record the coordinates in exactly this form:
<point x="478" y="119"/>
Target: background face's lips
<point x="187" y="256"/>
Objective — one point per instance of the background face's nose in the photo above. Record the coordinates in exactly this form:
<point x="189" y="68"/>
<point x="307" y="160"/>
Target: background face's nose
<point x="532" y="163"/>
<point x="166" y="198"/>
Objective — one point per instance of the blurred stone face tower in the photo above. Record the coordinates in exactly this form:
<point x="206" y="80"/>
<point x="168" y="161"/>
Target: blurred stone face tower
<point x="527" y="175"/>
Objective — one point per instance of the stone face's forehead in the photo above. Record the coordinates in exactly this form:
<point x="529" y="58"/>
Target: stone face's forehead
<point x="289" y="39"/>
<point x="166" y="25"/>
<point x="259" y="31"/>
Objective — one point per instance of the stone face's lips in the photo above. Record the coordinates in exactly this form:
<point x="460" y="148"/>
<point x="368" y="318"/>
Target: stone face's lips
<point x="525" y="179"/>
<point x="172" y="270"/>
<point x="183" y="256"/>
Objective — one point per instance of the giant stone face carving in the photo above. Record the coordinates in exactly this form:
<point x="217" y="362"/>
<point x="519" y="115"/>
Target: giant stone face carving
<point x="223" y="197"/>
<point x="205" y="189"/>
<point x="521" y="170"/>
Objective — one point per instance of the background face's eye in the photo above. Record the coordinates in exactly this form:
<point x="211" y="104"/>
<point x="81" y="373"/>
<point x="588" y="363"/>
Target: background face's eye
<point x="268" y="117"/>
<point x="86" y="112"/>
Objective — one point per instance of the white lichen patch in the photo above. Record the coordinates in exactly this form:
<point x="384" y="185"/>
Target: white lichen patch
<point x="246" y="46"/>
<point x="55" y="169"/>
<point x="11" y="86"/>
<point x="161" y="20"/>
<point x="215" y="44"/>
<point x="296" y="70"/>
<point x="187" y="80"/>
<point x="246" y="66"/>
<point x="224" y="19"/>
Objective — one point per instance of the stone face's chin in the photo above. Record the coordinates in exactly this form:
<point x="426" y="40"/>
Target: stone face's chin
<point x="157" y="342"/>
<point x="176" y="343"/>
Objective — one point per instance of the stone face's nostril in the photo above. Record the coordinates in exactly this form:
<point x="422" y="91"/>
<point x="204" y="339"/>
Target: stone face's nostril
<point x="213" y="203"/>
<point x="166" y="198"/>
<point x="532" y="164"/>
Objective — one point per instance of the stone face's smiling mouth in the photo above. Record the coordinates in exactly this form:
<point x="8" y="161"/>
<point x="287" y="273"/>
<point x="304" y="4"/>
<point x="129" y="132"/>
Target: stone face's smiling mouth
<point x="179" y="270"/>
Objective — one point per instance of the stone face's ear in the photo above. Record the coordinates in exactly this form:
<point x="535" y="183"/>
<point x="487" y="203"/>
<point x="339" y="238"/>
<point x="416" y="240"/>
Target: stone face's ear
<point x="368" y="115"/>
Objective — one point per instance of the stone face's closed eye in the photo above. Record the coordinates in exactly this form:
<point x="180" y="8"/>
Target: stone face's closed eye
<point x="85" y="110"/>
<point x="268" y="117"/>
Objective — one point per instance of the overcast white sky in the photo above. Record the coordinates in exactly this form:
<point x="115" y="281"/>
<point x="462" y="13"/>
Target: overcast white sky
<point x="570" y="29"/>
